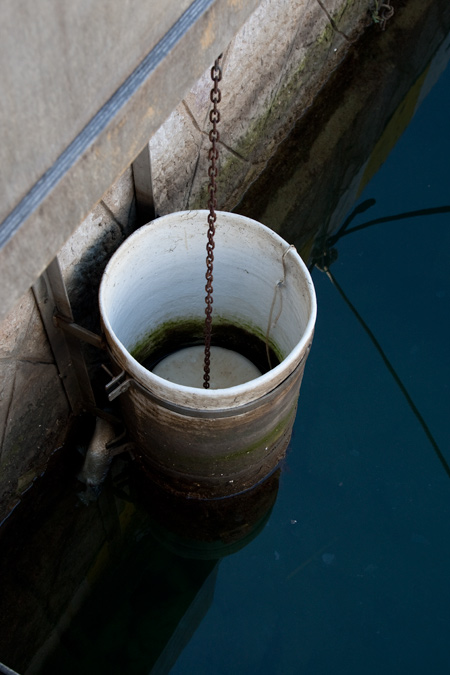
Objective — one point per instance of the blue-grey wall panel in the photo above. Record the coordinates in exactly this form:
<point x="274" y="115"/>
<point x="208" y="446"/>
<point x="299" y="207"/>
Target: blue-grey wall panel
<point x="103" y="105"/>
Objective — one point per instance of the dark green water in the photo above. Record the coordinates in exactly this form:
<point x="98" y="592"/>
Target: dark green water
<point x="191" y="334"/>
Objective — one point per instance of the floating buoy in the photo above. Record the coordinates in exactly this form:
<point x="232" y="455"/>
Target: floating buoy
<point x="223" y="440"/>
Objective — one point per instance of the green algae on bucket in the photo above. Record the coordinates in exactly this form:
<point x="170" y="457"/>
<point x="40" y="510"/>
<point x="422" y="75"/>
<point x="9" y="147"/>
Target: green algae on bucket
<point x="172" y="343"/>
<point x="215" y="442"/>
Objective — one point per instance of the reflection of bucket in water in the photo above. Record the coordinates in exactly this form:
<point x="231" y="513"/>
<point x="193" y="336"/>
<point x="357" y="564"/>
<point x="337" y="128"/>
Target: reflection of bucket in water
<point x="218" y="441"/>
<point x="206" y="529"/>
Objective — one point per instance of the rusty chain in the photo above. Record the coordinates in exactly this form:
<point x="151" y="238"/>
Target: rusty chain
<point x="213" y="157"/>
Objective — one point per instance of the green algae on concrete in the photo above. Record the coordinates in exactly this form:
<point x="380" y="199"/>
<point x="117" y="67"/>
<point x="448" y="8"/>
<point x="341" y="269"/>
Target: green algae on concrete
<point x="242" y="165"/>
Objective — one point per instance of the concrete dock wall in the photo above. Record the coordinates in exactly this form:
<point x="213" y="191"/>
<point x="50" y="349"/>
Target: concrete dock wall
<point x="272" y="73"/>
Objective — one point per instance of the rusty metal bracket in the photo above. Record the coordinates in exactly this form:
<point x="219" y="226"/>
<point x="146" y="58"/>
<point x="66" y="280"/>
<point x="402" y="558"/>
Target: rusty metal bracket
<point x="119" y="385"/>
<point x="79" y="332"/>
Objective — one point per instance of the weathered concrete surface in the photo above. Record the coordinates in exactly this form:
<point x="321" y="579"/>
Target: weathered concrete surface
<point x="33" y="408"/>
<point x="339" y="144"/>
<point x="34" y="411"/>
<point x="270" y="75"/>
<point x="60" y="157"/>
<point x="85" y="254"/>
<point x="78" y="54"/>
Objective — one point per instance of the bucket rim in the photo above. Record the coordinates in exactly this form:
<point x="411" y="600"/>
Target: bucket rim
<point x="210" y="399"/>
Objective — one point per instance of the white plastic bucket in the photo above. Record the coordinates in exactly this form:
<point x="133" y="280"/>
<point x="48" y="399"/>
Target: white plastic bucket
<point x="209" y="442"/>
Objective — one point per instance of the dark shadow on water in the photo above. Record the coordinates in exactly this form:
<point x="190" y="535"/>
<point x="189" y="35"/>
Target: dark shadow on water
<point x="120" y="584"/>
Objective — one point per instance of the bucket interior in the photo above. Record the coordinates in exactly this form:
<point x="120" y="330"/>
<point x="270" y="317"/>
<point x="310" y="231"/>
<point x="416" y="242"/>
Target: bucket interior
<point x="156" y="280"/>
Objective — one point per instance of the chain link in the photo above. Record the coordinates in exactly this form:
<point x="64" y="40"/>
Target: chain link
<point x="213" y="157"/>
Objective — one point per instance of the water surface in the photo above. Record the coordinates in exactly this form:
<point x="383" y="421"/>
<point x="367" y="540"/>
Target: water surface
<point x="351" y="573"/>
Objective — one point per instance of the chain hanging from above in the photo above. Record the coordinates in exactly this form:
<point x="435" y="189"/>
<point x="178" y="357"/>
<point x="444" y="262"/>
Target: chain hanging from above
<point x="213" y="157"/>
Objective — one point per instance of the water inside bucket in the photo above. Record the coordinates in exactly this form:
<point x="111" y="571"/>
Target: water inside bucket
<point x="228" y="368"/>
<point x="176" y="353"/>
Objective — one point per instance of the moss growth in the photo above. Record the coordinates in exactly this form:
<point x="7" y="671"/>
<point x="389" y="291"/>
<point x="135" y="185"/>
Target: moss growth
<point x="156" y="341"/>
<point x="268" y="440"/>
<point x="174" y="335"/>
<point x="268" y="130"/>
